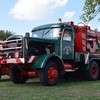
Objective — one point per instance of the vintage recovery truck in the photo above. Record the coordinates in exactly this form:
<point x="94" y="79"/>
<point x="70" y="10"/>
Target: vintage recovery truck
<point x="52" y="50"/>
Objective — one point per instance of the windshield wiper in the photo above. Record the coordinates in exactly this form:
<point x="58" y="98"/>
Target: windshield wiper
<point x="48" y="31"/>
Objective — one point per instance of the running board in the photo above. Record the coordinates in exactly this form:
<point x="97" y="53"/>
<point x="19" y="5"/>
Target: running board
<point x="71" y="70"/>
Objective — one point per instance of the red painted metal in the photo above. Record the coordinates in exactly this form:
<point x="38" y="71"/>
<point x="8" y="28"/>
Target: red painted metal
<point x="32" y="73"/>
<point x="20" y="74"/>
<point x="80" y="42"/>
<point x="5" y="71"/>
<point x="85" y="39"/>
<point x="94" y="71"/>
<point x="30" y="59"/>
<point x="52" y="73"/>
<point x="67" y="66"/>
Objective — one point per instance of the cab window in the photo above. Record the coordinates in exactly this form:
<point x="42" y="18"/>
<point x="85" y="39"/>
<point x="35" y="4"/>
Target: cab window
<point x="67" y="35"/>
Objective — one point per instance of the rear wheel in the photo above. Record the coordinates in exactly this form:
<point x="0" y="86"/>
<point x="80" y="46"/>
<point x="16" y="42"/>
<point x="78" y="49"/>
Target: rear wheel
<point x="50" y="74"/>
<point x="16" y="76"/>
<point x="93" y="72"/>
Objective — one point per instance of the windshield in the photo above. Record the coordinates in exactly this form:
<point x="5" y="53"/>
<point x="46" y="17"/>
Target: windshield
<point x="46" y="33"/>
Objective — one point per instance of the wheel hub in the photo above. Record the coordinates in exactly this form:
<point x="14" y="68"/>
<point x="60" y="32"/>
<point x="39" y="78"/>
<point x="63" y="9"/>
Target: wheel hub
<point x="94" y="71"/>
<point x="52" y="73"/>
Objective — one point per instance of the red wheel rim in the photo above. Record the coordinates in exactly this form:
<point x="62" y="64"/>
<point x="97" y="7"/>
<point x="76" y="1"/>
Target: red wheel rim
<point x="94" y="71"/>
<point x="52" y="73"/>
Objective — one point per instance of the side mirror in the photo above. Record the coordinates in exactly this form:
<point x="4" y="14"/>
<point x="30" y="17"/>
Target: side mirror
<point x="27" y="34"/>
<point x="60" y="34"/>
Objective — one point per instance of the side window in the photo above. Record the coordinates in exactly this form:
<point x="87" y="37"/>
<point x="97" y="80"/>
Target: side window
<point x="67" y="35"/>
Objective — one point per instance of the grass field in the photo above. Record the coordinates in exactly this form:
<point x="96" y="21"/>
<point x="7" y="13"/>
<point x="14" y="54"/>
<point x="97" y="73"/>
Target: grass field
<point x="70" y="89"/>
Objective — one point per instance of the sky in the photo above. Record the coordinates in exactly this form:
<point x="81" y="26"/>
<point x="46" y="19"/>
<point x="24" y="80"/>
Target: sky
<point x="21" y="16"/>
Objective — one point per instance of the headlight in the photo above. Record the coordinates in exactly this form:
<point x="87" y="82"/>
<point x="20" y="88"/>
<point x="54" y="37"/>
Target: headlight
<point x="16" y="54"/>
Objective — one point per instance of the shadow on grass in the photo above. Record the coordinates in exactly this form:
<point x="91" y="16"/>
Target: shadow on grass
<point x="71" y="80"/>
<point x="36" y="82"/>
<point x="4" y="80"/>
<point x="33" y="82"/>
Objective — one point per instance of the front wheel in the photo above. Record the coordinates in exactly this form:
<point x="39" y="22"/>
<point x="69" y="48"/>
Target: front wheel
<point x="50" y="74"/>
<point x="93" y="72"/>
<point x="16" y="76"/>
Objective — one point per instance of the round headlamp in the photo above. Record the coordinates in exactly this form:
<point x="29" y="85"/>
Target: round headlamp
<point x="16" y="54"/>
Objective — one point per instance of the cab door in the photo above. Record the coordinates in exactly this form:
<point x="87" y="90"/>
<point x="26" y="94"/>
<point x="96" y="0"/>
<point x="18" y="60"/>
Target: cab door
<point x="67" y="44"/>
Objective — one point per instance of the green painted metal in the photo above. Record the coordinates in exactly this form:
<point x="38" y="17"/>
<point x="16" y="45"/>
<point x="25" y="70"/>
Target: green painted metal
<point x="43" y="40"/>
<point x="53" y="25"/>
<point x="80" y="59"/>
<point x="42" y="60"/>
<point x="14" y="36"/>
<point x="83" y="67"/>
<point x="68" y="45"/>
<point x="64" y="49"/>
<point x="59" y="44"/>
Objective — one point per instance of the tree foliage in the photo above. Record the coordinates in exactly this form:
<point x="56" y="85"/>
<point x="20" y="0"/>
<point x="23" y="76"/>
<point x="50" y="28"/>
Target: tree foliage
<point x="91" y="9"/>
<point x="4" y="34"/>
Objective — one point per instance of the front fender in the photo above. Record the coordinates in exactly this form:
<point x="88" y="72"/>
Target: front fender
<point x="41" y="61"/>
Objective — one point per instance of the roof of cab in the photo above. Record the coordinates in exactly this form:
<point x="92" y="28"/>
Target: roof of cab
<point x="14" y="36"/>
<point x="53" y="25"/>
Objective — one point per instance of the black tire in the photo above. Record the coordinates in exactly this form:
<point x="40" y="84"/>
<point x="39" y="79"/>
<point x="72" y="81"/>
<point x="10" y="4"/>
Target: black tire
<point x="16" y="76"/>
<point x="93" y="72"/>
<point x="50" y="74"/>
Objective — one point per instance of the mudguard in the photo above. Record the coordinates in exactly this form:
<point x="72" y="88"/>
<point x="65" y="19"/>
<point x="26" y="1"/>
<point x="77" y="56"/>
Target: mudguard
<point x="42" y="60"/>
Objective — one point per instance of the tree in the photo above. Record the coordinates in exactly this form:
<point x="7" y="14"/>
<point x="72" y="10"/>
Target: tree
<point x="4" y="34"/>
<point x="91" y="9"/>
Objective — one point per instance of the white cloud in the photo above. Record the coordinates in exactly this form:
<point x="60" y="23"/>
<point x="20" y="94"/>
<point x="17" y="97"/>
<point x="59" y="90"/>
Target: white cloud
<point x="94" y="27"/>
<point x="35" y="9"/>
<point x="69" y="14"/>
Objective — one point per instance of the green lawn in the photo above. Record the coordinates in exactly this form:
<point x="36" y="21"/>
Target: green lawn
<point x="70" y="89"/>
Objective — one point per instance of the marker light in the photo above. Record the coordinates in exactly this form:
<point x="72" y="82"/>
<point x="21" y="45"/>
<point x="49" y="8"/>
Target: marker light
<point x="59" y="20"/>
